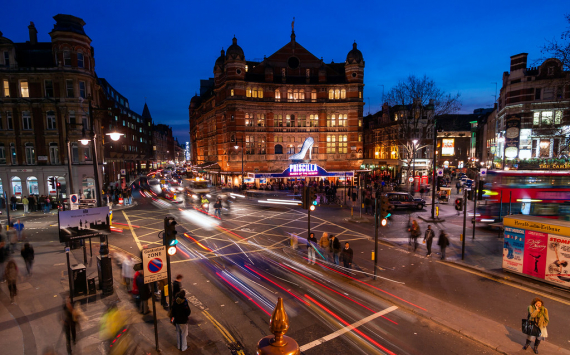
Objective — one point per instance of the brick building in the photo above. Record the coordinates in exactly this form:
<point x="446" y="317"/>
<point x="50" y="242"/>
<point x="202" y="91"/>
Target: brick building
<point x="164" y="150"/>
<point x="269" y="108"/>
<point x="44" y="104"/>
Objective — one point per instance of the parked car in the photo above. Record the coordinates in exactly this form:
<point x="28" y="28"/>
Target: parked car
<point x="404" y="200"/>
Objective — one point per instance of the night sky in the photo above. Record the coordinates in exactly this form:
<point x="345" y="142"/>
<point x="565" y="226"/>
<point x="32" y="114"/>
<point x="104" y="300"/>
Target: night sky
<point x="160" y="51"/>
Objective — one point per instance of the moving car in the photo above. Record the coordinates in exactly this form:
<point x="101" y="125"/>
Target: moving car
<point x="404" y="200"/>
<point x="154" y="185"/>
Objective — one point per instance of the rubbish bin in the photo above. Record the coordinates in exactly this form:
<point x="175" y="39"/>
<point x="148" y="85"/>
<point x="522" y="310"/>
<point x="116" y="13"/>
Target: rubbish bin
<point x="105" y="274"/>
<point x="79" y="277"/>
<point x="91" y="286"/>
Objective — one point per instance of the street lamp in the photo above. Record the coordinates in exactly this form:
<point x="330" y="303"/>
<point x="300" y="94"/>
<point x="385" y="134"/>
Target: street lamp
<point x="236" y="148"/>
<point x="415" y="141"/>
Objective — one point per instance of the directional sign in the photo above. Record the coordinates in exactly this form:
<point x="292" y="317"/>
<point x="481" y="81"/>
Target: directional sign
<point x="154" y="264"/>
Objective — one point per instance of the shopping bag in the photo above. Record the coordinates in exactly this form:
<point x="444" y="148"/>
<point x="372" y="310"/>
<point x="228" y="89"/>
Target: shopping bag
<point x="530" y="328"/>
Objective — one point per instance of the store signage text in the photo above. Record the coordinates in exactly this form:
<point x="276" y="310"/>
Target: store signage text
<point x="303" y="169"/>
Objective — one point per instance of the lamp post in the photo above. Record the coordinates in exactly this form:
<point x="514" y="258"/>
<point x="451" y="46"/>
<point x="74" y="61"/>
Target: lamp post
<point x="415" y="141"/>
<point x="237" y="147"/>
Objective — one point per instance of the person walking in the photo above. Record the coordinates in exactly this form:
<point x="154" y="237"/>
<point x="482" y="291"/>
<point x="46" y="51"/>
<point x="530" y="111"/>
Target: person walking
<point x="335" y="246"/>
<point x="47" y="204"/>
<point x="33" y="203"/>
<point x="415" y="233"/>
<point x="128" y="272"/>
<point x="12" y="237"/>
<point x="179" y="315"/>
<point x="347" y="255"/>
<point x="13" y="201"/>
<point x="218" y="208"/>
<point x="324" y="245"/>
<point x="41" y="203"/>
<point x="68" y="322"/>
<point x="311" y="242"/>
<point x="19" y="227"/>
<point x="177" y="285"/>
<point x="11" y="277"/>
<point x="443" y="242"/>
<point x="144" y="293"/>
<point x="428" y="239"/>
<point x="26" y="204"/>
<point x="538" y="314"/>
<point x="458" y="186"/>
<point x="27" y="253"/>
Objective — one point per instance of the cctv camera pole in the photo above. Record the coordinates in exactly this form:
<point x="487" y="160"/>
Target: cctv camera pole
<point x="464" y="223"/>
<point x="375" y="235"/>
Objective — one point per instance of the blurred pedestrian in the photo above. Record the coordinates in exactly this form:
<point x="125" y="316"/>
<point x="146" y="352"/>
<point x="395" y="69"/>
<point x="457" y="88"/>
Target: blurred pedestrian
<point x="12" y="237"/>
<point x="294" y="241"/>
<point x="443" y="242"/>
<point x="19" y="227"/>
<point x="218" y="208"/>
<point x="311" y="243"/>
<point x="324" y="244"/>
<point x="538" y="314"/>
<point x="179" y="314"/>
<point x="28" y="255"/>
<point x="428" y="239"/>
<point x="68" y="321"/>
<point x="347" y="255"/>
<point x="128" y="271"/>
<point x="33" y="203"/>
<point x="3" y="256"/>
<point x="26" y="204"/>
<point x="177" y="285"/>
<point x="11" y="277"/>
<point x="458" y="186"/>
<point x="415" y="233"/>
<point x="144" y="293"/>
<point x="13" y="201"/>
<point x="335" y="245"/>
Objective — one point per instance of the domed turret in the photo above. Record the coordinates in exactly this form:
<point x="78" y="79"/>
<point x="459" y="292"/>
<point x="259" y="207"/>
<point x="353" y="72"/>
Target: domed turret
<point x="354" y="56"/>
<point x="234" y="51"/>
<point x="220" y="61"/>
<point x="4" y="40"/>
<point x="195" y="101"/>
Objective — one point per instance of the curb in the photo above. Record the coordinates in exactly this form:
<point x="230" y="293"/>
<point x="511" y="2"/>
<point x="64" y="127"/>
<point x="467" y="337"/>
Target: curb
<point x="429" y="220"/>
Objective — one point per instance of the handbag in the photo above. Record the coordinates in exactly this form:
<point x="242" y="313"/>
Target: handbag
<point x="530" y="328"/>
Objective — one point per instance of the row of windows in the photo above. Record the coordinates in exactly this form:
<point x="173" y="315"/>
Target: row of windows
<point x="6" y="122"/>
<point x="295" y="95"/>
<point x="296" y="121"/>
<point x="48" y="88"/>
<point x="67" y="59"/>
<point x="545" y="118"/>
<point x="30" y="154"/>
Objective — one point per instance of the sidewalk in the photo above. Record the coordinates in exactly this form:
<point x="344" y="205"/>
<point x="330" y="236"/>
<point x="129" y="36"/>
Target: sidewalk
<point x="32" y="325"/>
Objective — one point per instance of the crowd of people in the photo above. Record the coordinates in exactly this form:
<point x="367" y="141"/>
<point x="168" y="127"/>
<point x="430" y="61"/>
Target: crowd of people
<point x="113" y="194"/>
<point x="33" y="203"/>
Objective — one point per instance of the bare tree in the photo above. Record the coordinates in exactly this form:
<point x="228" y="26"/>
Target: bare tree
<point x="559" y="49"/>
<point x="417" y="102"/>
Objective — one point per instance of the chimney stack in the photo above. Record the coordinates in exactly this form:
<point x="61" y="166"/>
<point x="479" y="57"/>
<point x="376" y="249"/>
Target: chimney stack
<point x="518" y="61"/>
<point x="33" y="33"/>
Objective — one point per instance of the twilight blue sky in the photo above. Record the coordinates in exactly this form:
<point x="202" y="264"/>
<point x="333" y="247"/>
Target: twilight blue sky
<point x="161" y="49"/>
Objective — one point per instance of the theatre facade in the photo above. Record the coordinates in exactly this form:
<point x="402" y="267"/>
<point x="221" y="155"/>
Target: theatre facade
<point x="288" y="116"/>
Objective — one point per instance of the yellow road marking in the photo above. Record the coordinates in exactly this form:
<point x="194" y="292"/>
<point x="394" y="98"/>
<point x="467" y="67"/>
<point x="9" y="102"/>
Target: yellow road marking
<point x="132" y="231"/>
<point x="220" y="255"/>
<point x="220" y="327"/>
<point x="508" y="283"/>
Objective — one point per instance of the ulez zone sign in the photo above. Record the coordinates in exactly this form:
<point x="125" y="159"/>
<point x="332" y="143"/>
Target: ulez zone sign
<point x="154" y="264"/>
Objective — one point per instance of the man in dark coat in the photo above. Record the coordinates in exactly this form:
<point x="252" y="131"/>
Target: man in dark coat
<point x="428" y="239"/>
<point x="144" y="293"/>
<point x="179" y="317"/>
<point x="335" y="248"/>
<point x="346" y="256"/>
<point x="443" y="242"/>
<point x="177" y="285"/>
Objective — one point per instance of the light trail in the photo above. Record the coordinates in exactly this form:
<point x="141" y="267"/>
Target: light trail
<point x="243" y="293"/>
<point x="348" y="325"/>
<point x="197" y="242"/>
<point x="281" y="287"/>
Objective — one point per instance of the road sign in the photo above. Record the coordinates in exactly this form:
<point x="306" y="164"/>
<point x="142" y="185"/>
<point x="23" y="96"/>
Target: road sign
<point x="411" y="179"/>
<point x="123" y="172"/>
<point x="154" y="264"/>
<point x="483" y="173"/>
<point x="74" y="199"/>
<point x="439" y="172"/>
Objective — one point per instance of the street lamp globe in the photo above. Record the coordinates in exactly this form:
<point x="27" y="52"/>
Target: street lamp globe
<point x="84" y="141"/>
<point x="415" y="141"/>
<point x="236" y="147"/>
<point x="115" y="135"/>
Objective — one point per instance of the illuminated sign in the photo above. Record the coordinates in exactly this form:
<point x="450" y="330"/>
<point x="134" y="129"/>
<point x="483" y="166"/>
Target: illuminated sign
<point x="448" y="147"/>
<point x="303" y="169"/>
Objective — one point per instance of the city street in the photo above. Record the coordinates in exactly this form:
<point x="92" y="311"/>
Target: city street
<point x="235" y="269"/>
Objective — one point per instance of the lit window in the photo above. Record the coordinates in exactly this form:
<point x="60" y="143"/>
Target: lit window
<point x="6" y="88"/>
<point x="66" y="58"/>
<point x="331" y="120"/>
<point x="69" y="88"/>
<point x="26" y="121"/>
<point x="278" y="120"/>
<point x="314" y="95"/>
<point x="360" y="137"/>
<point x="290" y="95"/>
<point x="558" y="117"/>
<point x="249" y="145"/>
<point x="246" y="68"/>
<point x="232" y="92"/>
<point x="331" y="144"/>
<point x="24" y="89"/>
<point x="536" y="119"/>
<point x="260" y="93"/>
<point x="342" y="120"/>
<point x="337" y="94"/>
<point x="343" y="94"/>
<point x="287" y="120"/>
<point x="51" y="123"/>
<point x="80" y="60"/>
<point x="331" y="94"/>
<point x="546" y="118"/>
<point x="248" y="92"/>
<point x="314" y="120"/>
<point x="261" y="145"/>
<point x="260" y="120"/>
<point x="248" y="120"/>
<point x="360" y="94"/>
<point x="277" y="95"/>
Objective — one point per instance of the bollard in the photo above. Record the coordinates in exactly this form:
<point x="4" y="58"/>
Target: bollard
<point x="278" y="343"/>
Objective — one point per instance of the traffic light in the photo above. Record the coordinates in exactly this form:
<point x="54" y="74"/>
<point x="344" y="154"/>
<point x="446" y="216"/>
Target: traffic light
<point x="311" y="198"/>
<point x="304" y="197"/>
<point x="384" y="210"/>
<point x="52" y="182"/>
<point x="459" y="204"/>
<point x="480" y="190"/>
<point x="169" y="240"/>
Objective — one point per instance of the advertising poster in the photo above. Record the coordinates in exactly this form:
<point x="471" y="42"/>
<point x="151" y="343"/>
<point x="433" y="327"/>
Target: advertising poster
<point x="513" y="124"/>
<point x="558" y="260"/>
<point x="534" y="260"/>
<point x="84" y="223"/>
<point x="447" y="147"/>
<point x="513" y="249"/>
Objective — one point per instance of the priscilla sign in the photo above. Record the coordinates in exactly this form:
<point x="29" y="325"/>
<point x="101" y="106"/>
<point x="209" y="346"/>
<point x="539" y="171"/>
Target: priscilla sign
<point x="538" y="247"/>
<point x="305" y="169"/>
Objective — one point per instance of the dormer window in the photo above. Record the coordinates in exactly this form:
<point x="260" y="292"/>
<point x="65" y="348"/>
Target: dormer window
<point x="550" y="71"/>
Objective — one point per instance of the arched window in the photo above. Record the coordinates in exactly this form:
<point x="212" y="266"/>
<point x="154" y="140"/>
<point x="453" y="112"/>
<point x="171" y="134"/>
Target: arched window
<point x="248" y="91"/>
<point x="17" y="187"/>
<point x="331" y="94"/>
<point x="278" y="149"/>
<point x="289" y="94"/>
<point x="32" y="183"/>
<point x="277" y="95"/>
<point x="337" y="94"/>
<point x="343" y="94"/>
<point x="260" y="93"/>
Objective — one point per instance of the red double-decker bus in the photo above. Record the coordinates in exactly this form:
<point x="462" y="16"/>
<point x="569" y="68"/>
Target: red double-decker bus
<point x="529" y="192"/>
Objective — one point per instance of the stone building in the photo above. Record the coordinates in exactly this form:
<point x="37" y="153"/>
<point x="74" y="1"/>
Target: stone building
<point x="265" y="110"/>
<point x="44" y="106"/>
<point x="163" y="145"/>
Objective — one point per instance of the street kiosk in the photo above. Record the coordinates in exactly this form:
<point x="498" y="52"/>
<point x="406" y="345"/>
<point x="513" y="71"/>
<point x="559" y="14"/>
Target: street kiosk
<point x="538" y="248"/>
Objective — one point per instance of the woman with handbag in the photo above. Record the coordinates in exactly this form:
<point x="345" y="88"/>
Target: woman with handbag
<point x="538" y="315"/>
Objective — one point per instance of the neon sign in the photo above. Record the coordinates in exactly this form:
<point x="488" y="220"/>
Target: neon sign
<point x="303" y="169"/>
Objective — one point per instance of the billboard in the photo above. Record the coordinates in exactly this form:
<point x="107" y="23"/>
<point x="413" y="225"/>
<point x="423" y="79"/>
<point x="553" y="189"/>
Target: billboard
<point x="84" y="223"/>
<point x="513" y="124"/>
<point x="448" y="147"/>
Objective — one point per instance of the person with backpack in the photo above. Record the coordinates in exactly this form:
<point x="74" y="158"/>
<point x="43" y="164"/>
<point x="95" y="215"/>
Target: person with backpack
<point x="27" y="253"/>
<point x="443" y="242"/>
<point x="179" y="314"/>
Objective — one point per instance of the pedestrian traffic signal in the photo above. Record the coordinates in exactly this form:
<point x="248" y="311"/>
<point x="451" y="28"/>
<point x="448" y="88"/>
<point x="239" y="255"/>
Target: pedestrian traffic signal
<point x="311" y="198"/>
<point x="384" y="210"/>
<point x="459" y="204"/>
<point x="52" y="183"/>
<point x="169" y="240"/>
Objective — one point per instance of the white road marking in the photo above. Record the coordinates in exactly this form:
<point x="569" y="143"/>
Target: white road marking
<point x="346" y="329"/>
